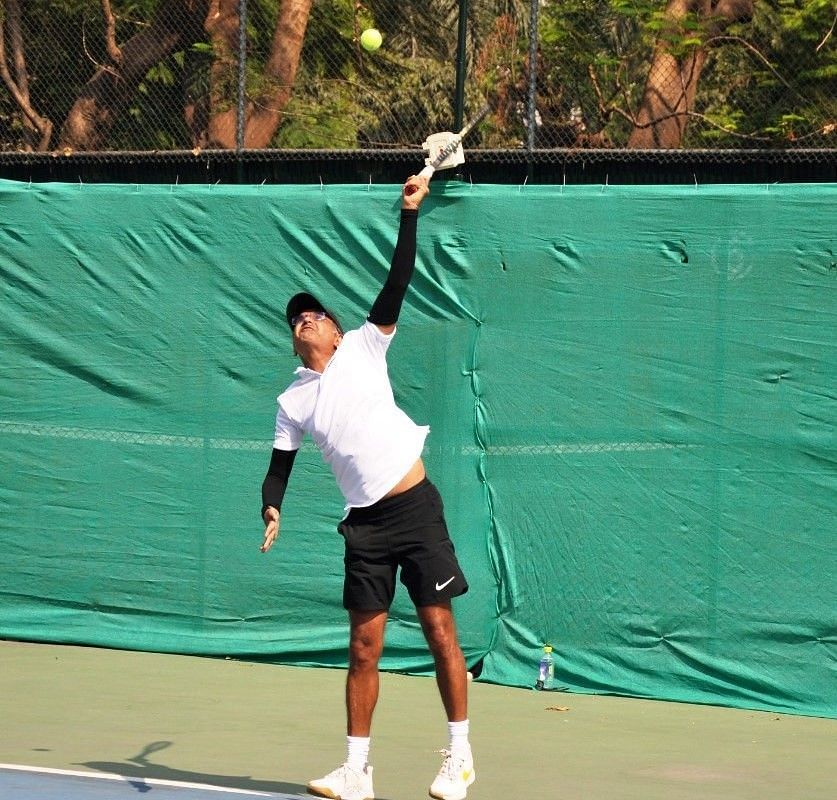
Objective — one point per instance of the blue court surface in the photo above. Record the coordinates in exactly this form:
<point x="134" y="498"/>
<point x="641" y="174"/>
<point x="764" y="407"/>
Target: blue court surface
<point x="29" y="783"/>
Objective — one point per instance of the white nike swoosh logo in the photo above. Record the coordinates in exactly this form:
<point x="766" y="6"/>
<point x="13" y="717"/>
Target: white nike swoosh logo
<point x="440" y="586"/>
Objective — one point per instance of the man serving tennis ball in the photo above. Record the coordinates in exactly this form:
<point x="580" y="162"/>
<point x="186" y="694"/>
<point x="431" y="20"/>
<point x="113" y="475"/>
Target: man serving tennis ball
<point x="342" y="397"/>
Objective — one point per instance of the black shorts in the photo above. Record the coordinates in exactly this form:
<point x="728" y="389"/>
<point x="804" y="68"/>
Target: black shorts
<point x="407" y="531"/>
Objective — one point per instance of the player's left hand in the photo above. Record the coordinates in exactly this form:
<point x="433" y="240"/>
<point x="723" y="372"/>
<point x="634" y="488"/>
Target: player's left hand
<point x="415" y="189"/>
<point x="271" y="530"/>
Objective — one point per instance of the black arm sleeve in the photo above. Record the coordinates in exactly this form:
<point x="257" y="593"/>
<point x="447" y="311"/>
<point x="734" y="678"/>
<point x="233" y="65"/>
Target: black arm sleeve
<point x="387" y="305"/>
<point x="276" y="480"/>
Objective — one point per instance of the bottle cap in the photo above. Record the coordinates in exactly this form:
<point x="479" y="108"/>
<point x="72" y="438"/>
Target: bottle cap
<point x="547" y="648"/>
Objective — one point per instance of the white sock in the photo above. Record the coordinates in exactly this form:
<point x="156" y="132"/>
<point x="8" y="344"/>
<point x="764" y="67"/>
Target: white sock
<point x="458" y="732"/>
<point x="358" y="747"/>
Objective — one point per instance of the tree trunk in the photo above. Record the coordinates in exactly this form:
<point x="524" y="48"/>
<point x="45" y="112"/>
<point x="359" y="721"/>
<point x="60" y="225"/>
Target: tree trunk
<point x="221" y="101"/>
<point x="672" y="82"/>
<point x="37" y="130"/>
<point x="262" y="113"/>
<point x="177" y="25"/>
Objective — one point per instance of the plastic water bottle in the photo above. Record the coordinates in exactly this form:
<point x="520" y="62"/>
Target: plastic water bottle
<point x="546" y="670"/>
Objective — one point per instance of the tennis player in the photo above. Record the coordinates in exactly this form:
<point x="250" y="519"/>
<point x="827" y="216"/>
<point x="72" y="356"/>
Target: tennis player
<point x="394" y="515"/>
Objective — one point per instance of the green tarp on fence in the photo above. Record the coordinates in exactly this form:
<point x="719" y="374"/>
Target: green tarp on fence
<point x="630" y="391"/>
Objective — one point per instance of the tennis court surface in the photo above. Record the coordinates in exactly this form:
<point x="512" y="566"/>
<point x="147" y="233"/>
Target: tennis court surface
<point x="82" y="723"/>
<point x="49" y="784"/>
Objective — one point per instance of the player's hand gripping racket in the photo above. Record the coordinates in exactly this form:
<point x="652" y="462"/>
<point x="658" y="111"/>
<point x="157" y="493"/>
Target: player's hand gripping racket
<point x="445" y="149"/>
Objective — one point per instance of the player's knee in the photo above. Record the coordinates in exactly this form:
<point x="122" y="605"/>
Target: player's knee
<point x="441" y="640"/>
<point x="364" y="653"/>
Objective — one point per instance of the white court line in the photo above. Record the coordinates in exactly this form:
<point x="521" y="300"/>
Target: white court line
<point x="112" y="776"/>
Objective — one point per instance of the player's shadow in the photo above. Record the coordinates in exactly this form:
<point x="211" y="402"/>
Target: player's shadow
<point x="138" y="769"/>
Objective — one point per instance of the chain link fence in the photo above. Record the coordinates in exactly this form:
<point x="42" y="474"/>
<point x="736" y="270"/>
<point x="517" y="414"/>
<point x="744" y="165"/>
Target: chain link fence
<point x="94" y="76"/>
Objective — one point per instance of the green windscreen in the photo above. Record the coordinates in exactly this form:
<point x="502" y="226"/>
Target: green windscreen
<point x="631" y="394"/>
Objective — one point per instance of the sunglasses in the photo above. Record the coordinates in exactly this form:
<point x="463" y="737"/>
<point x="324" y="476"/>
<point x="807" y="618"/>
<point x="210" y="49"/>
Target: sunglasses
<point x="313" y="316"/>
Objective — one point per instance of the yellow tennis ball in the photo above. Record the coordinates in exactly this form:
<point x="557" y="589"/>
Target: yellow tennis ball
<point x="371" y="39"/>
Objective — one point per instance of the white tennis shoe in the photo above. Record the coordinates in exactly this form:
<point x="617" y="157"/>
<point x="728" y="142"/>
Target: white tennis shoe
<point x="345" y="783"/>
<point x="455" y="776"/>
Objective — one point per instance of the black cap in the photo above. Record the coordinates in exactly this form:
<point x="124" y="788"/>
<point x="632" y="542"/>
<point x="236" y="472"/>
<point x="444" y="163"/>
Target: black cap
<point x="307" y="302"/>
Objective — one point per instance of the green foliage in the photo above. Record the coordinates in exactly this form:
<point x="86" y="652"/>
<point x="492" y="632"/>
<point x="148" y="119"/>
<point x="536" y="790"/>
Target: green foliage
<point x="778" y="75"/>
<point x="767" y="81"/>
<point x="324" y="118"/>
<point x="154" y="120"/>
<point x="591" y="68"/>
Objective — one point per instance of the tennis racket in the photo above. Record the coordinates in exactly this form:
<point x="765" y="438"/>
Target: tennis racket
<point x="450" y="147"/>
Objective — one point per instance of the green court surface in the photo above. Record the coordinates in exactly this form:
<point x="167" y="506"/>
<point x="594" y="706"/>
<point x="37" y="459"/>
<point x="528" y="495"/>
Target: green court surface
<point x="264" y="728"/>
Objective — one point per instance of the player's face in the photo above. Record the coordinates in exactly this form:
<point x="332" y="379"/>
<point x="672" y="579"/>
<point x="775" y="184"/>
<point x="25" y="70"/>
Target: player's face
<point x="315" y="328"/>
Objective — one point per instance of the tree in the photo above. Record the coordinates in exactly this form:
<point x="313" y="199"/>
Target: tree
<point x="687" y="73"/>
<point x="345" y="97"/>
<point x="781" y="68"/>
<point x="176" y="26"/>
<point x="179" y="33"/>
<point x="37" y="129"/>
<point x="165" y="74"/>
<point x="689" y="27"/>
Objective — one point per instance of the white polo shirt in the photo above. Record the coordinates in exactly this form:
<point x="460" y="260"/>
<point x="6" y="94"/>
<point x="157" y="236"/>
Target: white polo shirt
<point x="350" y="412"/>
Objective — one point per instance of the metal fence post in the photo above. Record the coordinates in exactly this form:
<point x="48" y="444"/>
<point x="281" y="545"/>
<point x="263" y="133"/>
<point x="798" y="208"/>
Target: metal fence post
<point x="242" y="73"/>
<point x="459" y="97"/>
<point x="531" y="111"/>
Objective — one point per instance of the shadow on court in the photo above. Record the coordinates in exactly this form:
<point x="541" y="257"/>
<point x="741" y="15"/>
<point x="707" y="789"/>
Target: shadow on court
<point x="141" y="773"/>
<point x="141" y="769"/>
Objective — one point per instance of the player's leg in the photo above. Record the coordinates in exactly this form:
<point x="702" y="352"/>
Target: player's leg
<point x="457" y="771"/>
<point x="352" y="780"/>
<point x="366" y="643"/>
<point x="367" y="594"/>
<point x="439" y="629"/>
<point x="432" y="575"/>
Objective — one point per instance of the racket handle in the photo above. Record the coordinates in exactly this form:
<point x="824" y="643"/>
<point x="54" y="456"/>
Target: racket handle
<point x="427" y="172"/>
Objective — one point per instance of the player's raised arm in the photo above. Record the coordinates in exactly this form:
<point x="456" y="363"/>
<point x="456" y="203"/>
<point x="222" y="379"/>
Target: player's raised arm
<point x="387" y="306"/>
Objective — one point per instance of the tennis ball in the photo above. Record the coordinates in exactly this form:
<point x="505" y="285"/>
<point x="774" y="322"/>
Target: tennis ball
<point x="371" y="39"/>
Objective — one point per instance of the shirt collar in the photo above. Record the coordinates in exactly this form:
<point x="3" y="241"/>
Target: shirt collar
<point x="305" y="374"/>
